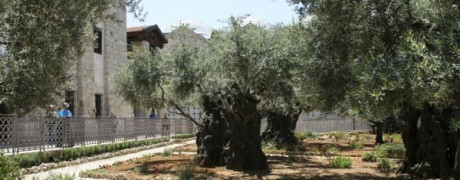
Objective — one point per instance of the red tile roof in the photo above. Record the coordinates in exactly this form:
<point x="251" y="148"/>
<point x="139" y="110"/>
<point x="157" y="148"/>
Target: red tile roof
<point x="135" y="29"/>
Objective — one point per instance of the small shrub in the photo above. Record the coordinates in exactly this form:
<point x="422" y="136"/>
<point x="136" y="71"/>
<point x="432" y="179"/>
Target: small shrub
<point x="369" y="157"/>
<point x="306" y="135"/>
<point x="33" y="159"/>
<point x="183" y="136"/>
<point x="341" y="162"/>
<point x="166" y="152"/>
<point x="185" y="172"/>
<point x="60" y="177"/>
<point x="355" y="144"/>
<point x="391" y="150"/>
<point x="9" y="169"/>
<point x="337" y="135"/>
<point x="330" y="150"/>
<point x="393" y="138"/>
<point x="141" y="169"/>
<point x="385" y="165"/>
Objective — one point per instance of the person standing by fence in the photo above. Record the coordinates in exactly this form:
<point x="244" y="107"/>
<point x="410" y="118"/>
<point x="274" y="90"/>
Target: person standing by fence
<point x="64" y="116"/>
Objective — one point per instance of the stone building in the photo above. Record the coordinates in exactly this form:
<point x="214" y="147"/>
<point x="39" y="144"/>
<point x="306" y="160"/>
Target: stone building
<point x="90" y="92"/>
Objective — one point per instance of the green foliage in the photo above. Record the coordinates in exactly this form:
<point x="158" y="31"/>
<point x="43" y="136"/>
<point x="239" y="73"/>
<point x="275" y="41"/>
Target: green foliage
<point x="9" y="169"/>
<point x="389" y="53"/>
<point x="185" y="172"/>
<point x="306" y="135"/>
<point x="97" y="171"/>
<point x="391" y="150"/>
<point x="337" y="135"/>
<point x="341" y="162"/>
<point x="393" y="138"/>
<point x="141" y="169"/>
<point x="33" y="159"/>
<point x="355" y="144"/>
<point x="60" y="177"/>
<point x="36" y="64"/>
<point x="183" y="136"/>
<point x="385" y="165"/>
<point x="369" y="157"/>
<point x="166" y="153"/>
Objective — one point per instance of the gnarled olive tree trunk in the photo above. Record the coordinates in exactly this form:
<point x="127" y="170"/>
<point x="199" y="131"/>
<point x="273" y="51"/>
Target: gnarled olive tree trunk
<point x="281" y="126"/>
<point x="212" y="137"/>
<point x="430" y="143"/>
<point x="231" y="137"/>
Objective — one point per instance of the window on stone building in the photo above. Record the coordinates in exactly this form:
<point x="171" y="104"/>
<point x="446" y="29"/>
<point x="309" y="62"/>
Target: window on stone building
<point x="98" y="105"/>
<point x="98" y="41"/>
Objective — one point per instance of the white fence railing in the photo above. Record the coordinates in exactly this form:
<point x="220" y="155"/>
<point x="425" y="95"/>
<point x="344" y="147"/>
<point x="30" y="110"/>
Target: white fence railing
<point x="327" y="125"/>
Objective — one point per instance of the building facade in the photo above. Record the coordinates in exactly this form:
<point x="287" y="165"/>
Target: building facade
<point x="90" y="92"/>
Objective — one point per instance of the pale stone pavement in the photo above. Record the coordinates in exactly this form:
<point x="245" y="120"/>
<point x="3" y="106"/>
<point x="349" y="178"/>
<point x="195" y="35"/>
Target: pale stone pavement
<point x="76" y="169"/>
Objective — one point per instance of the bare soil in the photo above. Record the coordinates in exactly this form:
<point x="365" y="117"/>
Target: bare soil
<point x="298" y="164"/>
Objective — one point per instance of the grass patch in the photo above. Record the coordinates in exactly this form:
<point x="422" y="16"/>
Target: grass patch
<point x="391" y="150"/>
<point x="306" y="135"/>
<point x="97" y="171"/>
<point x="355" y="144"/>
<point x="393" y="138"/>
<point x="60" y="177"/>
<point x="385" y="165"/>
<point x="166" y="153"/>
<point x="9" y="169"/>
<point x="369" y="157"/>
<point x="34" y="159"/>
<point x="337" y="135"/>
<point x="183" y="136"/>
<point x="141" y="169"/>
<point x="185" y="172"/>
<point x="341" y="162"/>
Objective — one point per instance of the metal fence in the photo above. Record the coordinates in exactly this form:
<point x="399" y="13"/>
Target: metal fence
<point x="321" y="126"/>
<point x="39" y="133"/>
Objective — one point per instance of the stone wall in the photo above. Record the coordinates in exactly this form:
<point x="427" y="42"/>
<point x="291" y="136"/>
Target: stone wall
<point x="94" y="72"/>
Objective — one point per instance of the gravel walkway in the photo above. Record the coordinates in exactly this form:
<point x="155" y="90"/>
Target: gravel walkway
<point x="75" y="170"/>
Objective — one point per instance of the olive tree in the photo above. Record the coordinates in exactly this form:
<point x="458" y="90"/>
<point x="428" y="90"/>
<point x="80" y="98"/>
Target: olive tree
<point x="233" y="79"/>
<point x="383" y="58"/>
<point x="42" y="40"/>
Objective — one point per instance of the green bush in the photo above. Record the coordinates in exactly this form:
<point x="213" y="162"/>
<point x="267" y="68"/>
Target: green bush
<point x="341" y="162"/>
<point x="185" y="172"/>
<point x="385" y="165"/>
<point x="337" y="135"/>
<point x="60" y="177"/>
<point x="183" y="136"/>
<point x="393" y="138"/>
<point x="306" y="135"/>
<point x="166" y="152"/>
<point x="9" y="169"/>
<point x="141" y="169"/>
<point x="355" y="144"/>
<point x="391" y="150"/>
<point x="33" y="159"/>
<point x="369" y="157"/>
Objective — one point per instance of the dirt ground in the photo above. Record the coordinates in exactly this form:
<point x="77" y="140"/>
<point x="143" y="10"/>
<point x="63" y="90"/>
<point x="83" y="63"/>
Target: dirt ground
<point x="302" y="163"/>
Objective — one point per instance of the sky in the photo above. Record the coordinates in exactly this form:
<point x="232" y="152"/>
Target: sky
<point x="212" y="13"/>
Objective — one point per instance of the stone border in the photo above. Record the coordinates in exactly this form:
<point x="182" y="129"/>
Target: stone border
<point x="50" y="166"/>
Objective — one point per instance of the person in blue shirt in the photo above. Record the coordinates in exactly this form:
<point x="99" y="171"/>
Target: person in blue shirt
<point x="65" y="112"/>
<point x="65" y="134"/>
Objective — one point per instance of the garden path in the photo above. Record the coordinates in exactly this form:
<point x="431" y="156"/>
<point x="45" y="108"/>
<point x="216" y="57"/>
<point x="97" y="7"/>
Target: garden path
<point x="77" y="169"/>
